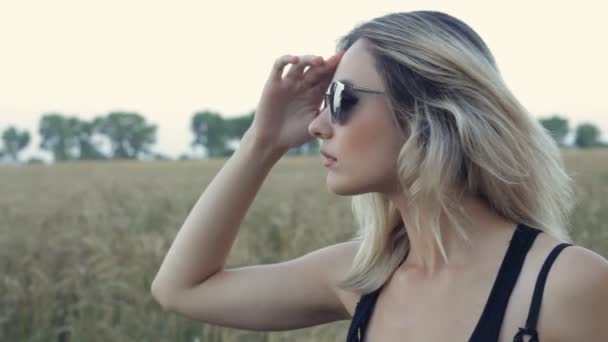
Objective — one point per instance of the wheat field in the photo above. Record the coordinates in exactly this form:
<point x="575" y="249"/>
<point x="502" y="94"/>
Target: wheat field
<point x="80" y="242"/>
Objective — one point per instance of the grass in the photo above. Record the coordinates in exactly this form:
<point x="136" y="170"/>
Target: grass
<point x="81" y="242"/>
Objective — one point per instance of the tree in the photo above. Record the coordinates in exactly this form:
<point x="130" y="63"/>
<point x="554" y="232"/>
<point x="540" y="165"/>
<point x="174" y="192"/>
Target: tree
<point x="14" y="142"/>
<point x="214" y="133"/>
<point x="85" y="132"/>
<point x="587" y="135"/>
<point x="35" y="160"/>
<point x="237" y="126"/>
<point x="209" y="130"/>
<point x="69" y="138"/>
<point x="59" y="135"/>
<point x="129" y="134"/>
<point x="160" y="156"/>
<point x="557" y="127"/>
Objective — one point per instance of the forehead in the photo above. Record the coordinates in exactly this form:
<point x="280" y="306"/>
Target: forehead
<point x="357" y="66"/>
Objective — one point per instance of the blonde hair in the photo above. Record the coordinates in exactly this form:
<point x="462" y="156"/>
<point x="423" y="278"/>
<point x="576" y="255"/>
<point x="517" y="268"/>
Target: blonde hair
<point x="466" y="133"/>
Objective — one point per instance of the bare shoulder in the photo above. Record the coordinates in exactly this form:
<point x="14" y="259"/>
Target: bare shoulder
<point x="576" y="292"/>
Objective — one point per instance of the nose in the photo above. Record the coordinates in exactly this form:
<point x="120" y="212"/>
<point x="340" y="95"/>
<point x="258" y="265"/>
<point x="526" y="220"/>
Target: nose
<point x="320" y="126"/>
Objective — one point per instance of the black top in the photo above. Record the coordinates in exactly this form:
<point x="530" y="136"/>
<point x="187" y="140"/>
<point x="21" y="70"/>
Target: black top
<point x="488" y="326"/>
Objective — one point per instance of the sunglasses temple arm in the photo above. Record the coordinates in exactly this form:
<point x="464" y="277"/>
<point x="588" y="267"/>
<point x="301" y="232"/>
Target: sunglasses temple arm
<point x="365" y="90"/>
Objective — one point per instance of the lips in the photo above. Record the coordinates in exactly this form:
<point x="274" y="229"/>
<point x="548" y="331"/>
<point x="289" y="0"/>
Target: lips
<point x="327" y="155"/>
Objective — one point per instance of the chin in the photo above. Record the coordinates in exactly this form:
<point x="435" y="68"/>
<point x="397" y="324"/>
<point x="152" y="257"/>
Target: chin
<point x="342" y="192"/>
<point x="336" y="187"/>
<point x="344" y="189"/>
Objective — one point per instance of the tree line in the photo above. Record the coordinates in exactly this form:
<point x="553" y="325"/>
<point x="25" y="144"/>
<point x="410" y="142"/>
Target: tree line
<point x="130" y="136"/>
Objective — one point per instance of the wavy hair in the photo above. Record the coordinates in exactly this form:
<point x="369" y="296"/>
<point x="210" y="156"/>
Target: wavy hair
<point x="466" y="133"/>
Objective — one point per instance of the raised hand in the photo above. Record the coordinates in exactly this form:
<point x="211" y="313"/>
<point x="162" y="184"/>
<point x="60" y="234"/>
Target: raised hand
<point x="289" y="103"/>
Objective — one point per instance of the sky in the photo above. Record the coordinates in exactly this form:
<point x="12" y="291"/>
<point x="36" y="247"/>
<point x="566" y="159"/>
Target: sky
<point x="167" y="60"/>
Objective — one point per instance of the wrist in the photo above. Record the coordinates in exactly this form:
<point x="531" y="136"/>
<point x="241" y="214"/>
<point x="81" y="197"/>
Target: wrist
<point x="261" y="146"/>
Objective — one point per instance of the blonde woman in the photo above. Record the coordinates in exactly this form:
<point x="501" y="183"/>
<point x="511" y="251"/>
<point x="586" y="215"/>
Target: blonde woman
<point x="461" y="200"/>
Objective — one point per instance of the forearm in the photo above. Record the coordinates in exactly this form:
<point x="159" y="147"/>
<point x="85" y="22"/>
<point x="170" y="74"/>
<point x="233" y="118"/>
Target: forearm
<point x="203" y="243"/>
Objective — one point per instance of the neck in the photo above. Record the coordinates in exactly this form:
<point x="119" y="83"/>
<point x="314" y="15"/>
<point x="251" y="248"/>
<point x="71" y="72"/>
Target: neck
<point x="425" y="255"/>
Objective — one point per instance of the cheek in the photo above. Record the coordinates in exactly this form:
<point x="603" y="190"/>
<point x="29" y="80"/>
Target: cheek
<point x="369" y="134"/>
<point x="369" y="151"/>
<point x="371" y="144"/>
<point x="363" y="130"/>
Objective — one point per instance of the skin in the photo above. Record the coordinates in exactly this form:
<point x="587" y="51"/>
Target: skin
<point x="366" y="149"/>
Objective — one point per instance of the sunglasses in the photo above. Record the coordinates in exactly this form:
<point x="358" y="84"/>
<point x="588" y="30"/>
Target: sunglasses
<point x="341" y="100"/>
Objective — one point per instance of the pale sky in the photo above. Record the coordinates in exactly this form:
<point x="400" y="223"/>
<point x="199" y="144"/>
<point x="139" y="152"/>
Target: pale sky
<point x="167" y="60"/>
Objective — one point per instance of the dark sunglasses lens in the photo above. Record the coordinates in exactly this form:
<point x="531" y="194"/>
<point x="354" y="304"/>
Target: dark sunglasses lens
<point x="333" y="100"/>
<point x="336" y="99"/>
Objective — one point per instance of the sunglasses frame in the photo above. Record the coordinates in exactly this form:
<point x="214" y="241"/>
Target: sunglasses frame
<point x="338" y="87"/>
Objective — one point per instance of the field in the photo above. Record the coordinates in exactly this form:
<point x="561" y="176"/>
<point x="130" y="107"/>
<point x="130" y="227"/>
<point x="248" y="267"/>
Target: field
<point x="81" y="242"/>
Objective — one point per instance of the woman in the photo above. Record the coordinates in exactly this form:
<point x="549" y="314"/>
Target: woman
<point x="461" y="199"/>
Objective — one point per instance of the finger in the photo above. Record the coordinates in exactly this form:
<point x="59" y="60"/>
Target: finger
<point x="279" y="65"/>
<point x="314" y="75"/>
<point x="295" y="72"/>
<point x="334" y="60"/>
<point x="322" y="85"/>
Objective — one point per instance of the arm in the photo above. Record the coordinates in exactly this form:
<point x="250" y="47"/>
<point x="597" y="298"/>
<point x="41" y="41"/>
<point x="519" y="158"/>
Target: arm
<point x="294" y="294"/>
<point x="298" y="293"/>
<point x="203" y="242"/>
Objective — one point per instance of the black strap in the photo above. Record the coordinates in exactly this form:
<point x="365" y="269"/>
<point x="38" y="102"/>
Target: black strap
<point x="491" y="319"/>
<point x="537" y="297"/>
<point x="362" y="315"/>
<point x="489" y="324"/>
<point x="363" y="312"/>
